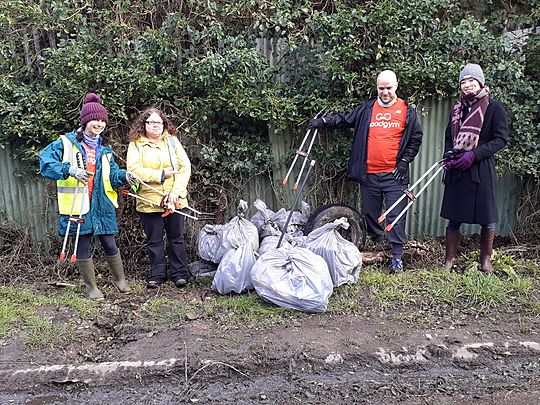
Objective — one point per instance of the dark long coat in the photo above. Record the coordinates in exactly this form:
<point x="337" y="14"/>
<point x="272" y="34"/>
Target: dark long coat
<point x="470" y="195"/>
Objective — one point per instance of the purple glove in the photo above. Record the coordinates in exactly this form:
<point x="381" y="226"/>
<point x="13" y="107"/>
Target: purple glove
<point x="449" y="164"/>
<point x="464" y="161"/>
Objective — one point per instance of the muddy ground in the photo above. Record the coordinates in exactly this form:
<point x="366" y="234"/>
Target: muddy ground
<point x="374" y="357"/>
<point x="377" y="356"/>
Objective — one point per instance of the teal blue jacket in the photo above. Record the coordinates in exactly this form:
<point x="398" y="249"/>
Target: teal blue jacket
<point x="101" y="219"/>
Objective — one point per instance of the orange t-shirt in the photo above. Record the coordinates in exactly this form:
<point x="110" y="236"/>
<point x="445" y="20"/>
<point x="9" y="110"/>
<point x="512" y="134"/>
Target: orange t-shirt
<point x="90" y="167"/>
<point x="385" y="131"/>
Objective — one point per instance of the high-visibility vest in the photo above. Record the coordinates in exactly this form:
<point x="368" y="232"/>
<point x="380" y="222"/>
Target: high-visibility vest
<point x="72" y="195"/>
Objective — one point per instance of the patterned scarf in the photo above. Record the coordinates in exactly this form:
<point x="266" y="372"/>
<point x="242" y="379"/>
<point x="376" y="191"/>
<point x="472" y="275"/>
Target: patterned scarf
<point x="91" y="141"/>
<point x="465" y="134"/>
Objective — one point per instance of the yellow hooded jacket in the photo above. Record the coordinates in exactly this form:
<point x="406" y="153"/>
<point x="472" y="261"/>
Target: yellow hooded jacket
<point x="148" y="159"/>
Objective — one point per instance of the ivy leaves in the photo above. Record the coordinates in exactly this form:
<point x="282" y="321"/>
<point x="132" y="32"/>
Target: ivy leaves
<point x="257" y="63"/>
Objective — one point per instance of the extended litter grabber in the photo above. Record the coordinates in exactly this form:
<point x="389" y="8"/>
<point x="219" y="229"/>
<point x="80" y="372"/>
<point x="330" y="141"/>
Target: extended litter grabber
<point x="202" y="216"/>
<point x="311" y="133"/>
<point x="71" y="219"/>
<point x="173" y="210"/>
<point x="295" y="203"/>
<point x="409" y="194"/>
<point x="79" y="220"/>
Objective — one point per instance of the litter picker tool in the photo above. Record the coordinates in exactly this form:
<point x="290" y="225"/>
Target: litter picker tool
<point x="295" y="203"/>
<point x="79" y="220"/>
<point x="201" y="216"/>
<point x="409" y="194"/>
<point x="311" y="133"/>
<point x="126" y="192"/>
<point x="68" y="225"/>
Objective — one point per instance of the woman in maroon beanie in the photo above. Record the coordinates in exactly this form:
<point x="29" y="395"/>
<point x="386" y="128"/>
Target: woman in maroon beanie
<point x="87" y="191"/>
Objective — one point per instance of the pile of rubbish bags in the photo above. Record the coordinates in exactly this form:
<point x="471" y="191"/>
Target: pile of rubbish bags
<point x="300" y="274"/>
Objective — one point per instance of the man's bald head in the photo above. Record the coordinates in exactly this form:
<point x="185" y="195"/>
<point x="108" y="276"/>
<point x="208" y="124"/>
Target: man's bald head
<point x="386" y="86"/>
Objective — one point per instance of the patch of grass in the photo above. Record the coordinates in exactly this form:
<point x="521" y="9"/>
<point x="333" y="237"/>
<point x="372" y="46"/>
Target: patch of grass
<point x="418" y="319"/>
<point x="432" y="288"/>
<point x="389" y="291"/>
<point x="345" y="300"/>
<point x="18" y="307"/>
<point x="10" y="315"/>
<point x="247" y="309"/>
<point x="137" y="287"/>
<point x="44" y="332"/>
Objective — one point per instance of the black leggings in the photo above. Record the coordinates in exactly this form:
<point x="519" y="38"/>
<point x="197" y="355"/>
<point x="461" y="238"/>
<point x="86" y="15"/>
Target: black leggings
<point x="107" y="241"/>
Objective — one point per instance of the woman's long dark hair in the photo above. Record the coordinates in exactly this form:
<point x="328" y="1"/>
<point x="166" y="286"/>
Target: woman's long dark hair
<point x="138" y="128"/>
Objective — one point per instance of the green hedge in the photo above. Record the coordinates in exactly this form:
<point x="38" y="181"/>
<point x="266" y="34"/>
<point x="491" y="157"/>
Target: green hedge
<point x="198" y="61"/>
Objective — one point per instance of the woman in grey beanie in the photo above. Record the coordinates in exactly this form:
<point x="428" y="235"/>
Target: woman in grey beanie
<point x="476" y="130"/>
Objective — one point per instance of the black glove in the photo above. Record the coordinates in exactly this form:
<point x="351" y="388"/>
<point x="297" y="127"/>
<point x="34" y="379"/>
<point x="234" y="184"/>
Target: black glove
<point x="401" y="170"/>
<point x="316" y="123"/>
<point x="449" y="155"/>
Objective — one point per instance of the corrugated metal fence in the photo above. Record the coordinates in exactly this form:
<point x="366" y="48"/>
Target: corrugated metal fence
<point x="27" y="200"/>
<point x="30" y="202"/>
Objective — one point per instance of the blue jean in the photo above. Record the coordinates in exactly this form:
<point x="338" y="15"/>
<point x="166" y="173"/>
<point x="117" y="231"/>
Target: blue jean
<point x="379" y="188"/>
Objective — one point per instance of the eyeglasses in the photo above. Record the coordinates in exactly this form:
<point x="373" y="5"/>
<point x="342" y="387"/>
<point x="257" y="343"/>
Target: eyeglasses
<point x="160" y="123"/>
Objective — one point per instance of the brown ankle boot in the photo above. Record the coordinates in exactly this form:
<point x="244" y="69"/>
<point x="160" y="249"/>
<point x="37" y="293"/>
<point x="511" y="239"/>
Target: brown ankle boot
<point x="451" y="242"/>
<point x="486" y="250"/>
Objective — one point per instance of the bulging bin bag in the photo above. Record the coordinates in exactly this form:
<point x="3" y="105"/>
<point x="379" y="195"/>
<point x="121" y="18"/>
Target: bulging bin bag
<point x="237" y="232"/>
<point x="270" y="243"/>
<point x="293" y="277"/>
<point x="297" y="222"/>
<point x="343" y="257"/>
<point x="233" y="272"/>
<point x="263" y="214"/>
<point x="208" y="242"/>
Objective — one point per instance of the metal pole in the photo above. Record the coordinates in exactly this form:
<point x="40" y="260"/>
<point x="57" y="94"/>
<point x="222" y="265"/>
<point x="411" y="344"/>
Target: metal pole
<point x="299" y="152"/>
<point x="390" y="226"/>
<point x="295" y="203"/>
<point x="407" y="193"/>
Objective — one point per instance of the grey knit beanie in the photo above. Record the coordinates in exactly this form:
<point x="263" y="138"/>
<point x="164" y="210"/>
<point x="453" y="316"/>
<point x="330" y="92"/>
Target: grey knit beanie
<point x="473" y="70"/>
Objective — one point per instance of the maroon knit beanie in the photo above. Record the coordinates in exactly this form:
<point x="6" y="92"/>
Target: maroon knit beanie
<point x="92" y="109"/>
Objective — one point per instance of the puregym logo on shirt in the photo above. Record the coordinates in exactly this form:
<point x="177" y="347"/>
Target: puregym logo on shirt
<point x="383" y="120"/>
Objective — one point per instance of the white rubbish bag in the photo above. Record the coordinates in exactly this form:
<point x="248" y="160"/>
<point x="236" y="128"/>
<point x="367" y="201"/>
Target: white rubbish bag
<point x="297" y="222"/>
<point x="237" y="232"/>
<point x="293" y="277"/>
<point x="271" y="242"/>
<point x="343" y="257"/>
<point x="208" y="242"/>
<point x="233" y="272"/>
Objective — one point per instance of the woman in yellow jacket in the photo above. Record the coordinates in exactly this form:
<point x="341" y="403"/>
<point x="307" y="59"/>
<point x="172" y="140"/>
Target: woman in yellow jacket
<point x="156" y="156"/>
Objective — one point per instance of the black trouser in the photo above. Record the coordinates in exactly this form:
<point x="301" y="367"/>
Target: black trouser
<point x="173" y="225"/>
<point x="378" y="188"/>
<point x="107" y="241"/>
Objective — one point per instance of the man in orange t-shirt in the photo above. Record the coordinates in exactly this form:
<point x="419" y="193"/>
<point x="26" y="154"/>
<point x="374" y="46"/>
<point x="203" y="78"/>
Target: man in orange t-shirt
<point x="387" y="137"/>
